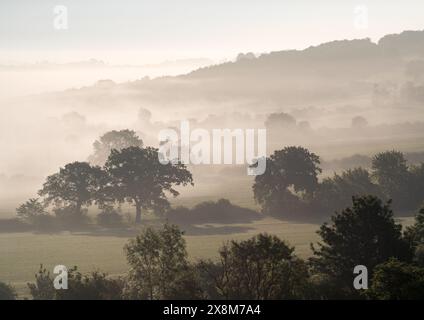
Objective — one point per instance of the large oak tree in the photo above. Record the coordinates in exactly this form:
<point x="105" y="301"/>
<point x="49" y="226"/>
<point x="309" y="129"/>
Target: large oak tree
<point x="77" y="184"/>
<point x="139" y="178"/>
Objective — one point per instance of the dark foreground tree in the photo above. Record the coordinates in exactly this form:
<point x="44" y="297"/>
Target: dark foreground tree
<point x="111" y="140"/>
<point x="365" y="234"/>
<point x="291" y="174"/>
<point x="395" y="280"/>
<point x="7" y="292"/>
<point x="415" y="235"/>
<point x="263" y="267"/>
<point x="159" y="266"/>
<point x="76" y="185"/>
<point x="139" y="178"/>
<point x="416" y="186"/>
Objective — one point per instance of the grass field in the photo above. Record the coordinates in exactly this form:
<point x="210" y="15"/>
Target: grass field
<point x="22" y="253"/>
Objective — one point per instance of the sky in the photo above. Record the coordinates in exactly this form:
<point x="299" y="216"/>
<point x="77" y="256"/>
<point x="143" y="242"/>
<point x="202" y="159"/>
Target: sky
<point x="139" y="31"/>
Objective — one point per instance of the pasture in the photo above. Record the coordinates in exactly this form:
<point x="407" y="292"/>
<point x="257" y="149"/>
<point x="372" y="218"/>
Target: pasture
<point x="22" y="253"/>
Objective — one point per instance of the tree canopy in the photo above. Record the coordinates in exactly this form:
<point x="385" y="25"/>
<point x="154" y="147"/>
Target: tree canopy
<point x="262" y="267"/>
<point x="113" y="140"/>
<point x="77" y="184"/>
<point x="159" y="266"/>
<point x="139" y="178"/>
<point x="396" y="280"/>
<point x="291" y="172"/>
<point x="391" y="172"/>
<point x="335" y="193"/>
<point x="363" y="234"/>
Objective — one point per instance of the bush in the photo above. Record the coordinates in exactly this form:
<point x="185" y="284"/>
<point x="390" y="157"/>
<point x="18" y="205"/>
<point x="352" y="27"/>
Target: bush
<point x="336" y="193"/>
<point x="415" y="233"/>
<point x="109" y="217"/>
<point x="30" y="209"/>
<point x="221" y="211"/>
<point x="33" y="212"/>
<point x="325" y="287"/>
<point x="14" y="225"/>
<point x="94" y="286"/>
<point x="419" y="255"/>
<point x="7" y="292"/>
<point x="43" y="288"/>
<point x="70" y="216"/>
<point x="395" y="280"/>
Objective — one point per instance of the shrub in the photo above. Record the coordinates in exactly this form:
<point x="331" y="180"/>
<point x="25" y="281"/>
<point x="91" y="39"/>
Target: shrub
<point x="94" y="286"/>
<point x="109" y="217"/>
<point x="33" y="212"/>
<point x="221" y="211"/>
<point x="419" y="255"/>
<point x="70" y="216"/>
<point x="7" y="292"/>
<point x="43" y="288"/>
<point x="395" y="280"/>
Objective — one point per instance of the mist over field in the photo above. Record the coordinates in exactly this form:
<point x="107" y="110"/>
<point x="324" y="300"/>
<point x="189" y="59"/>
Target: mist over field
<point x="223" y="150"/>
<point x="338" y="99"/>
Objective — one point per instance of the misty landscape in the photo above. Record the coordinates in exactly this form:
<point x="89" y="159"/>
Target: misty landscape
<point x="81" y="184"/>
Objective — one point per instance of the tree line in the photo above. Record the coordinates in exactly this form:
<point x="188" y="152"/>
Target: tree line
<point x="121" y="170"/>
<point x="131" y="173"/>
<point x="290" y="187"/>
<point x="263" y="266"/>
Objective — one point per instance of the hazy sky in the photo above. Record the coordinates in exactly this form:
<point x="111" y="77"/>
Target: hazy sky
<point x="140" y="31"/>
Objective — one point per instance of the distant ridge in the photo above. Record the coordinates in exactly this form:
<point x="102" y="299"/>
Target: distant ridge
<point x="408" y="44"/>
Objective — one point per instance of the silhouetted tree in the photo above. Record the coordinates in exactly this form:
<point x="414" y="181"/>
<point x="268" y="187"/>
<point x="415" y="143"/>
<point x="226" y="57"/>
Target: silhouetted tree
<point x="262" y="267"/>
<point x="419" y="255"/>
<point x="77" y="184"/>
<point x="43" y="288"/>
<point x="109" y="216"/>
<point x="113" y="140"/>
<point x="221" y="211"/>
<point x="396" y="280"/>
<point x="415" y="235"/>
<point x="415" y="188"/>
<point x="7" y="292"/>
<point x="364" y="234"/>
<point x="336" y="193"/>
<point x="359" y="122"/>
<point x="31" y="211"/>
<point x="139" y="178"/>
<point x="245" y="56"/>
<point x="159" y="266"/>
<point x="280" y="121"/>
<point x="391" y="172"/>
<point x="291" y="174"/>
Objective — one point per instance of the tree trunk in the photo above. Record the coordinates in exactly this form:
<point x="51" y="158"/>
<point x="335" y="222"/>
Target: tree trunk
<point x="137" y="213"/>
<point x="78" y="207"/>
